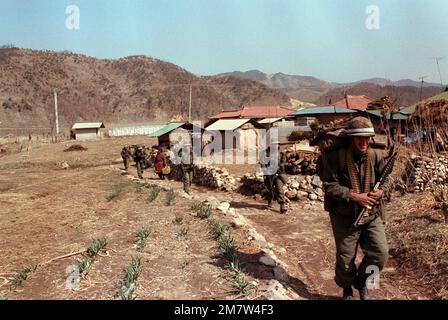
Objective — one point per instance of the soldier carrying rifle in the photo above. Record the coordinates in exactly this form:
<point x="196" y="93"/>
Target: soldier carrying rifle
<point x="349" y="175"/>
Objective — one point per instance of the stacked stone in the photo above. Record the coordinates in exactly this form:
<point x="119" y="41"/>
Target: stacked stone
<point x="298" y="188"/>
<point x="208" y="176"/>
<point x="425" y="173"/>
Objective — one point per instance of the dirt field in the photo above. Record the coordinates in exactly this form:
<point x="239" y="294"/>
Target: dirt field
<point x="48" y="211"/>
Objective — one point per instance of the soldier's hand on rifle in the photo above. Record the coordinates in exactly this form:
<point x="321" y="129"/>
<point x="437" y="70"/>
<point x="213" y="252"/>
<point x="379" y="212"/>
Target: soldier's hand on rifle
<point x="363" y="199"/>
<point x="377" y="195"/>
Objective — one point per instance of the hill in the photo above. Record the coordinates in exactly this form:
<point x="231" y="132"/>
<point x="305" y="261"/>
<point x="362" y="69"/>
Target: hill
<point x="127" y="90"/>
<point x="317" y="91"/>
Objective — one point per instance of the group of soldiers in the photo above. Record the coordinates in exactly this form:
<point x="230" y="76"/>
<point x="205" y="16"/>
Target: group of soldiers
<point x="143" y="157"/>
<point x="160" y="159"/>
<point x="348" y="186"/>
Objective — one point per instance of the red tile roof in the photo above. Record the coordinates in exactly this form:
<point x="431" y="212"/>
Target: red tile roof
<point x="257" y="112"/>
<point x="227" y="114"/>
<point x="265" y="111"/>
<point x="354" y="102"/>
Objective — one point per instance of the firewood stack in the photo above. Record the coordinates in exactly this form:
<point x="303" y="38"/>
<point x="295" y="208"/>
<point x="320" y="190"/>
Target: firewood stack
<point x="383" y="103"/>
<point x="301" y="162"/>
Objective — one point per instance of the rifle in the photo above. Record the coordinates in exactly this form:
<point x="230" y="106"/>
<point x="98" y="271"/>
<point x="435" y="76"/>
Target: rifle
<point x="386" y="172"/>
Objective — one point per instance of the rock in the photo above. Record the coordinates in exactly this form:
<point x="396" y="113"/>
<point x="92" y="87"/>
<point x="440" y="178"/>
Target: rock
<point x="224" y="206"/>
<point x="65" y="165"/>
<point x="258" y="237"/>
<point x="212" y="202"/>
<point x="239" y="221"/>
<point x="267" y="261"/>
<point x="274" y="291"/>
<point x="231" y="212"/>
<point x="312" y="196"/>
<point x="302" y="195"/>
<point x="291" y="194"/>
<point x="280" y="274"/>
<point x="319" y="192"/>
<point x="316" y="182"/>
<point x="295" y="185"/>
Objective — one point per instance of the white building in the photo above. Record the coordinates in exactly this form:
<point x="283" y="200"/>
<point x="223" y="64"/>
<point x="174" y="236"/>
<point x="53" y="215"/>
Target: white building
<point x="87" y="131"/>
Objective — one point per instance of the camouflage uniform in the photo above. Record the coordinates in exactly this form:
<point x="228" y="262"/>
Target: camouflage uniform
<point x="126" y="155"/>
<point x="275" y="182"/>
<point x="370" y="236"/>
<point x="139" y="158"/>
<point x="187" y="169"/>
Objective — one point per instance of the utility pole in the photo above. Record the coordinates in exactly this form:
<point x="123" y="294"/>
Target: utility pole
<point x="189" y="107"/>
<point x="421" y="86"/>
<point x="56" y="112"/>
<point x="437" y="59"/>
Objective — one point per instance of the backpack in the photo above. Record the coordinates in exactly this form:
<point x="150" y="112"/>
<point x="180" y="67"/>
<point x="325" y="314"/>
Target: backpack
<point x="327" y="143"/>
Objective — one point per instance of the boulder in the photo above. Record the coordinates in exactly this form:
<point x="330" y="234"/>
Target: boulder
<point x="267" y="261"/>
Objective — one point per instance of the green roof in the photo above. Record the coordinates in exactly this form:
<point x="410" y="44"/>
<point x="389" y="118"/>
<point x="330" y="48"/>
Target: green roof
<point x="168" y="128"/>
<point x="440" y="96"/>
<point x="395" y="115"/>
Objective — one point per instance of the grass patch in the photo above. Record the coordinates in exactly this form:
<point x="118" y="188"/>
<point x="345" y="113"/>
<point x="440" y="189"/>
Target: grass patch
<point x="127" y="286"/>
<point x="142" y="235"/>
<point x="216" y="228"/>
<point x="153" y="194"/>
<point x="170" y="196"/>
<point x="178" y="220"/>
<point x="138" y="188"/>
<point x="181" y="232"/>
<point x="117" y="190"/>
<point x="184" y="262"/>
<point x="21" y="275"/>
<point x="226" y="244"/>
<point x="95" y="247"/>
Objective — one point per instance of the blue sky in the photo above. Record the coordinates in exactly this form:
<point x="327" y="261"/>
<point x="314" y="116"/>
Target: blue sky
<point x="322" y="38"/>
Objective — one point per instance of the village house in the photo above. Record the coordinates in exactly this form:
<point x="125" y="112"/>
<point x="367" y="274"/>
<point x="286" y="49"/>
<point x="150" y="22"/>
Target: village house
<point x="87" y="131"/>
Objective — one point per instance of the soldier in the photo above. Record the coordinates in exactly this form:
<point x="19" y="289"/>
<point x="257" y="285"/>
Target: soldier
<point x="275" y="180"/>
<point x="349" y="174"/>
<point x="187" y="166"/>
<point x="139" y="158"/>
<point x="126" y="154"/>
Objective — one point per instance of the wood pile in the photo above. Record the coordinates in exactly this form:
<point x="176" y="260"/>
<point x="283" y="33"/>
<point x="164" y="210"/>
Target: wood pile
<point x="383" y="103"/>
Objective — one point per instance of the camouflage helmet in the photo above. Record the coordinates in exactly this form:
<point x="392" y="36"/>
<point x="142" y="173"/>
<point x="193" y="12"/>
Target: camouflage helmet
<point x="360" y="127"/>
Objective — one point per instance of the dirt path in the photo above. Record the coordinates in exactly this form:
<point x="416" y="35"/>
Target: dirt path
<point x="47" y="211"/>
<point x="303" y="241"/>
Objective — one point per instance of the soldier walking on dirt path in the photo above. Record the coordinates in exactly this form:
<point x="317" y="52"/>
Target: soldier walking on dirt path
<point x="349" y="174"/>
<point x="139" y="158"/>
<point x="186" y="154"/>
<point x="126" y="155"/>
<point x="275" y="181"/>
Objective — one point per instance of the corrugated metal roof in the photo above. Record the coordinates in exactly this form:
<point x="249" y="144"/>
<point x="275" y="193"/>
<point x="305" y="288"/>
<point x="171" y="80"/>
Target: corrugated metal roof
<point x="227" y="124"/>
<point x="168" y="128"/>
<point x="269" y="120"/>
<point x="395" y="115"/>
<point x="322" y="110"/>
<point x="88" y="125"/>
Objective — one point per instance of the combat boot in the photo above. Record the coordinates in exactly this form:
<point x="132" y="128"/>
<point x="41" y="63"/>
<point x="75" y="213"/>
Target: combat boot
<point x="348" y="294"/>
<point x="283" y="208"/>
<point x="360" y="285"/>
<point x="364" y="294"/>
<point x="270" y="206"/>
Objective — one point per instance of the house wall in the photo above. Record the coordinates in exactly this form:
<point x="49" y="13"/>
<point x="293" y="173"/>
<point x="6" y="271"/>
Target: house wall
<point x="87" y="134"/>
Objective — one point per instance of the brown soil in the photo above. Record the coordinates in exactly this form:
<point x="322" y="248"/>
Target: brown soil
<point x="48" y="211"/>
